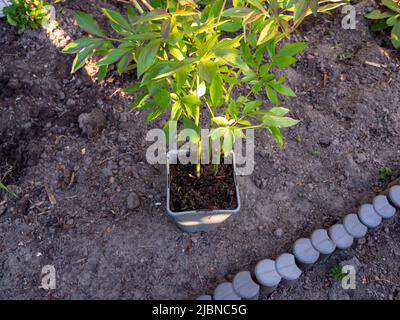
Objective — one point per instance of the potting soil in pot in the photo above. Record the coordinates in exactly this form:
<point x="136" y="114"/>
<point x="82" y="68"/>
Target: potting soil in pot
<point x="210" y="192"/>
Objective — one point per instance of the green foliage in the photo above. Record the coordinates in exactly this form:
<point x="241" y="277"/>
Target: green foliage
<point x="385" y="172"/>
<point x="190" y="59"/>
<point x="388" y="18"/>
<point x="345" y="56"/>
<point x="4" y="187"/>
<point x="336" y="273"/>
<point x="26" y="13"/>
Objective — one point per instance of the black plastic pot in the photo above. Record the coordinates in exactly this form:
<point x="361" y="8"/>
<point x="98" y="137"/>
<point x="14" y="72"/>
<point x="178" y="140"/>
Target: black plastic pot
<point x="200" y="220"/>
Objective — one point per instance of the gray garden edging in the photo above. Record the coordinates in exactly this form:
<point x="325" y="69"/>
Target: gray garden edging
<point x="288" y="267"/>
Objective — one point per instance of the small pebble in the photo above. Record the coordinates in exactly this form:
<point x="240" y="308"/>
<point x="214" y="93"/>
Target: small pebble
<point x="133" y="201"/>
<point x="70" y="102"/>
<point x="279" y="232"/>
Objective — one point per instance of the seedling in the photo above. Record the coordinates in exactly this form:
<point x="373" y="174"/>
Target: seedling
<point x="385" y="172"/>
<point x="4" y="187"/>
<point x="336" y="273"/>
<point x="345" y="56"/>
<point x="386" y="19"/>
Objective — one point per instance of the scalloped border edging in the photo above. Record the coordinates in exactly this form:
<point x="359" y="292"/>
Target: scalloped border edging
<point x="288" y="267"/>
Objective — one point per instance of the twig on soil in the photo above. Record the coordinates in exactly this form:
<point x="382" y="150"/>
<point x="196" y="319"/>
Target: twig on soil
<point x="43" y="212"/>
<point x="374" y="64"/>
<point x="116" y="91"/>
<point x="71" y="197"/>
<point x="51" y="196"/>
<point x="325" y="78"/>
<point x="198" y="273"/>
<point x="72" y="180"/>
<point x="388" y="281"/>
<point x="79" y="261"/>
<point x="113" y="157"/>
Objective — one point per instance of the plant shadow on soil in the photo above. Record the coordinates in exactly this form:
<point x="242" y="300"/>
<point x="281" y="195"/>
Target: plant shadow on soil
<point x="108" y="235"/>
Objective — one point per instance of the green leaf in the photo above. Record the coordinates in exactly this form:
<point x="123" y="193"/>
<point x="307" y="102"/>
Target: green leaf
<point x="81" y="58"/>
<point x="181" y="78"/>
<point x="247" y="54"/>
<point x="396" y="35"/>
<point x="132" y="88"/>
<point x="379" y="25"/>
<point x="162" y="98"/>
<point x="217" y="133"/>
<point x="268" y="32"/>
<point x="216" y="91"/>
<point x="392" y="5"/>
<point x="377" y="14"/>
<point x="230" y="27"/>
<point x="237" y="12"/>
<point x="101" y="74"/>
<point x="87" y="23"/>
<point x="232" y="57"/>
<point x="124" y="64"/>
<point x="278" y="111"/>
<point x="221" y="121"/>
<point x="271" y="94"/>
<point x="282" y="89"/>
<point x="193" y="133"/>
<point x="191" y="99"/>
<point x="233" y="109"/>
<point x="176" y="111"/>
<point x="4" y="187"/>
<point x="215" y="9"/>
<point x="282" y="62"/>
<point x="131" y="14"/>
<point x="207" y="70"/>
<point x="292" y="49"/>
<point x="207" y="27"/>
<point x="113" y="56"/>
<point x="278" y="122"/>
<point x="271" y="48"/>
<point x="229" y="141"/>
<point x="251" y="106"/>
<point x="392" y="20"/>
<point x="154" y="114"/>
<point x="79" y="44"/>
<point x="191" y="103"/>
<point x="143" y="36"/>
<point x="116" y="17"/>
<point x="147" y="56"/>
<point x="170" y="68"/>
<point x="260" y="52"/>
<point x="300" y="9"/>
<point x="140" y="101"/>
<point x="276" y="133"/>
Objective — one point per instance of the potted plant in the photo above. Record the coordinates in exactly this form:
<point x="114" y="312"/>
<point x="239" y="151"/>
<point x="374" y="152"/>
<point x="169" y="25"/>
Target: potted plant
<point x="192" y="61"/>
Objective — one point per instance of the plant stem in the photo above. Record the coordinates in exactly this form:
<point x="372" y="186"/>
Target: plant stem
<point x="197" y="121"/>
<point x="147" y="5"/>
<point x="251" y="127"/>
<point x="137" y="6"/>
<point x="221" y="11"/>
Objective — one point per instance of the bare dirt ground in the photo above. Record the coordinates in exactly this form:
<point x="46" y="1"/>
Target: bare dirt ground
<point x="107" y="233"/>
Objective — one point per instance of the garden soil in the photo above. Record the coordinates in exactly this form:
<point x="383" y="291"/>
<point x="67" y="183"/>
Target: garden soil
<point x="91" y="206"/>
